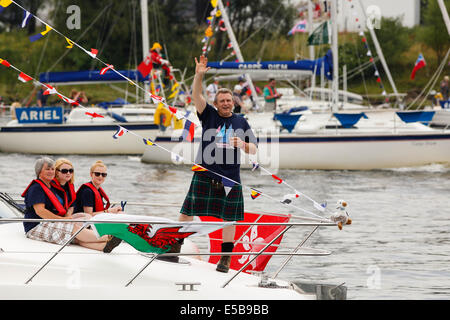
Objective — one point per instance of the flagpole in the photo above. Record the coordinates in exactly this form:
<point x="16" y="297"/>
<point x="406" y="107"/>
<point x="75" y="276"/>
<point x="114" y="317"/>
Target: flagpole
<point x="236" y="48"/>
<point x="334" y="48"/>
<point x="145" y="43"/>
<point x="381" y="56"/>
<point x="444" y="15"/>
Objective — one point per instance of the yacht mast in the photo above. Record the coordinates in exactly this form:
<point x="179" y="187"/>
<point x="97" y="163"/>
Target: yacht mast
<point x="145" y="42"/>
<point x="444" y="14"/>
<point x="236" y="48"/>
<point x="334" y="48"/>
<point x="381" y="56"/>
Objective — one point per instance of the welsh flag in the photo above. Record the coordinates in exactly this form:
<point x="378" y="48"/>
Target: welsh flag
<point x="249" y="239"/>
<point x="156" y="236"/>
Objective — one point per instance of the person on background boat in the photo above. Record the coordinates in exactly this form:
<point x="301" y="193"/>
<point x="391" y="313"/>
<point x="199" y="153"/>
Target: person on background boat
<point x="211" y="90"/>
<point x="224" y="135"/>
<point x="239" y="106"/>
<point x="91" y="198"/>
<point x="270" y="96"/>
<point x="41" y="98"/>
<point x="159" y="62"/>
<point x="78" y="96"/>
<point x="444" y="88"/>
<point x="42" y="202"/>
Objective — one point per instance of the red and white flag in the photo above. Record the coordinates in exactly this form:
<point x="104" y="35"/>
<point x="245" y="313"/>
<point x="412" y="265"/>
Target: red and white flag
<point x="145" y="67"/>
<point x="68" y="100"/>
<point x="156" y="99"/>
<point x="109" y="67"/>
<point x="120" y="132"/>
<point x="251" y="239"/>
<point x="420" y="63"/>
<point x="24" y="77"/>
<point x="5" y="63"/>
<point x="93" y="53"/>
<point x="50" y="90"/>
<point x="176" y="113"/>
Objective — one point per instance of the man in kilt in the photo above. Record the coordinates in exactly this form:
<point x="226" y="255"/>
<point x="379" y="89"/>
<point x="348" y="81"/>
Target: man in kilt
<point x="224" y="134"/>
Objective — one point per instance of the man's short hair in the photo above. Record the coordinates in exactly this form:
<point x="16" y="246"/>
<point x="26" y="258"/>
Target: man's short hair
<point x="222" y="91"/>
<point x="271" y="79"/>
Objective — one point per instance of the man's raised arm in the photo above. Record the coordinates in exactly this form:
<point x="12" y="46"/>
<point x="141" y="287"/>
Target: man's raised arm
<point x="197" y="86"/>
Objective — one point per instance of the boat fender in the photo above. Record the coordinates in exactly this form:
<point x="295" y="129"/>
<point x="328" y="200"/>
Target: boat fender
<point x="341" y="216"/>
<point x="166" y="116"/>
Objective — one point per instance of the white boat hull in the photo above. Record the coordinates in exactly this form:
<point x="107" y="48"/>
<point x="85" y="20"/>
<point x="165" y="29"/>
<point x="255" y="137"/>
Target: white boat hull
<point x="441" y="118"/>
<point x="338" y="152"/>
<point x="80" y="273"/>
<point x="75" y="139"/>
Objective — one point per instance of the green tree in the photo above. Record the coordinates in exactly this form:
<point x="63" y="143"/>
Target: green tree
<point x="434" y="34"/>
<point x="394" y="41"/>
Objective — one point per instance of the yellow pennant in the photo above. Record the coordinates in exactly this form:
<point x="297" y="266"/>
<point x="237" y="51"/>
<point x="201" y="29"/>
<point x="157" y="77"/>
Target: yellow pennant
<point x="70" y="46"/>
<point x="47" y="30"/>
<point x="172" y="95"/>
<point x="5" y="3"/>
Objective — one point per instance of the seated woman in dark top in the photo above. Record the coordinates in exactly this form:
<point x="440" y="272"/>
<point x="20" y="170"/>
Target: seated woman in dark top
<point x="42" y="202"/>
<point x="91" y="198"/>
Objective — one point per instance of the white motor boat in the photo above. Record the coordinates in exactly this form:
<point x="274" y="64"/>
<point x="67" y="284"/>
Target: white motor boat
<point x="31" y="269"/>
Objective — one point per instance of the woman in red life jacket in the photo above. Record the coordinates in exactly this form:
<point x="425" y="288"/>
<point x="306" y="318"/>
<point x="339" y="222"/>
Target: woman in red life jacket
<point x="91" y="198"/>
<point x="42" y="202"/>
<point x="63" y="182"/>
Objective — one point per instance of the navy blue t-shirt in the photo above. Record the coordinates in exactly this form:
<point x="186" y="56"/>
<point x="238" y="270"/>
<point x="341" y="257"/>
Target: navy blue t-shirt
<point x="85" y="198"/>
<point x="34" y="196"/>
<point x="215" y="153"/>
<point x="60" y="194"/>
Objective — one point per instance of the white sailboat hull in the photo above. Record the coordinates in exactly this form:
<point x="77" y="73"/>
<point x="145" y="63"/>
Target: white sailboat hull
<point x="75" y="139"/>
<point x="338" y="152"/>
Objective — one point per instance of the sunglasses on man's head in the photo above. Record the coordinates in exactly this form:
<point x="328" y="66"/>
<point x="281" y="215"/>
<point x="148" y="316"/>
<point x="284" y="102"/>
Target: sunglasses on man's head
<point x="65" y="170"/>
<point x="98" y="174"/>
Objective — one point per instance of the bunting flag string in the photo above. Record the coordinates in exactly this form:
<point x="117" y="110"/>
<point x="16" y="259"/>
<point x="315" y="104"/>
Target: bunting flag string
<point x="369" y="53"/>
<point x="297" y="194"/>
<point x="92" y="53"/>
<point x="228" y="183"/>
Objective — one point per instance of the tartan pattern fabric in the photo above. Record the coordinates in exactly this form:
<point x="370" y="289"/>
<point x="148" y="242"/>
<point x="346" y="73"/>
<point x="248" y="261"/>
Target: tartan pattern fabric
<point x="204" y="199"/>
<point x="54" y="232"/>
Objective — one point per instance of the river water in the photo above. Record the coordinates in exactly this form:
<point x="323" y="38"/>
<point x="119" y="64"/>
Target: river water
<point x="398" y="246"/>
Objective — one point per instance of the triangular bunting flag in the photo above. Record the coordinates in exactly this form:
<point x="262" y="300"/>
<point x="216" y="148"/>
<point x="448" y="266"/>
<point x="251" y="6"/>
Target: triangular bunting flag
<point x="24" y="77"/>
<point x="120" y="132"/>
<point x="255" y="193"/>
<point x="227" y="185"/>
<point x="26" y="18"/>
<point x="148" y="142"/>
<point x="198" y="168"/>
<point x="5" y="63"/>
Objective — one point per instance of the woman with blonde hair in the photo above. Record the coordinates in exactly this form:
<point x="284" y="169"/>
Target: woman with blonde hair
<point x="63" y="182"/>
<point x="91" y="198"/>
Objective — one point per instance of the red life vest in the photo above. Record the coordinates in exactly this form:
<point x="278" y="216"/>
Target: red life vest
<point x="55" y="183"/>
<point x="270" y="90"/>
<point x="99" y="196"/>
<point x="61" y="211"/>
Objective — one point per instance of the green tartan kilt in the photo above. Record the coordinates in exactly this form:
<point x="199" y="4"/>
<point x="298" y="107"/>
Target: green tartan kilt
<point x="205" y="199"/>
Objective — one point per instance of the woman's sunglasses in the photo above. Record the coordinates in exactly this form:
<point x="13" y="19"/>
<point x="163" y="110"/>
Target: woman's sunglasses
<point x="65" y="170"/>
<point x="98" y="174"/>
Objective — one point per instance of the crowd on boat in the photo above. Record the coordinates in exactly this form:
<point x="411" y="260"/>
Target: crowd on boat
<point x="52" y="195"/>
